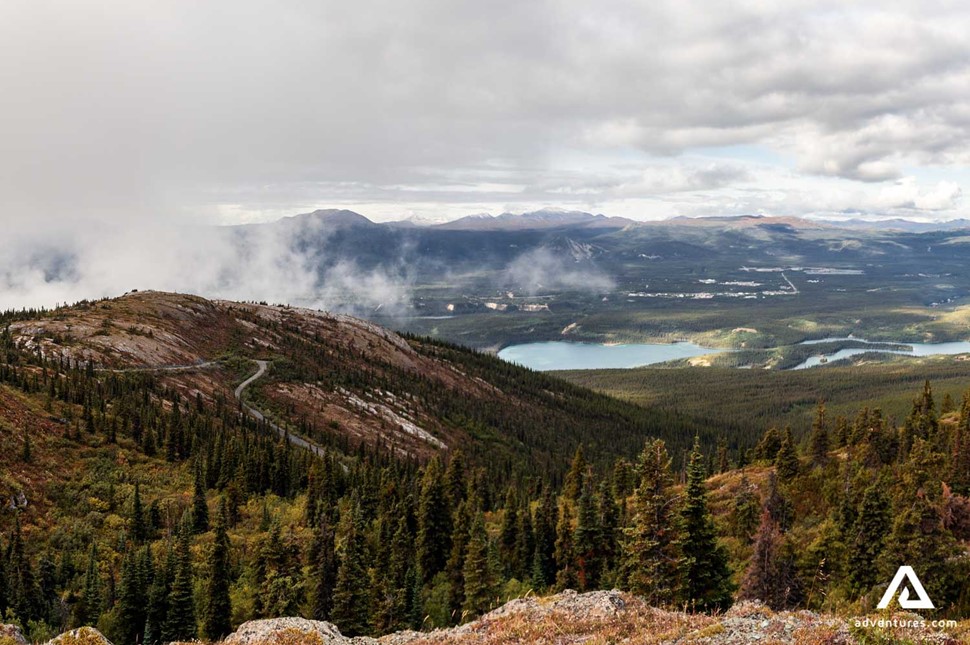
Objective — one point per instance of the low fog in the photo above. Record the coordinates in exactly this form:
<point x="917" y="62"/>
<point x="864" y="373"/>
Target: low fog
<point x="46" y="268"/>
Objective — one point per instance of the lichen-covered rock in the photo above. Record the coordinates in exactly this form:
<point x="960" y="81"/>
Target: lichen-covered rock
<point x="10" y="635"/>
<point x="291" y="631"/>
<point x="80" y="636"/>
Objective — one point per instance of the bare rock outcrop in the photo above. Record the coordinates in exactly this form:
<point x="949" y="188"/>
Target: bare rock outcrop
<point x="11" y="635"/>
<point x="291" y="631"/>
<point x="80" y="636"/>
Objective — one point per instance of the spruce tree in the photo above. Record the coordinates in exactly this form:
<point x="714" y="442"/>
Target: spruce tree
<point x="137" y="526"/>
<point x="480" y="584"/>
<point x="132" y="601"/>
<point x="323" y="570"/>
<point x="218" y="609"/>
<point x="456" y="560"/>
<point x="867" y="538"/>
<point x="818" y="443"/>
<point x="180" y="622"/>
<point x="651" y="547"/>
<point x="573" y="484"/>
<point x="609" y="521"/>
<point x="565" y="552"/>
<point x="200" y="509"/>
<point x="433" y="543"/>
<point x="351" y="596"/>
<point x="507" y="533"/>
<point x="88" y="608"/>
<point x="524" y="542"/>
<point x="920" y="540"/>
<point x="158" y="595"/>
<point x="544" y="561"/>
<point x="786" y="462"/>
<point x="707" y="577"/>
<point x="747" y="509"/>
<point x="586" y="540"/>
<point x="768" y="447"/>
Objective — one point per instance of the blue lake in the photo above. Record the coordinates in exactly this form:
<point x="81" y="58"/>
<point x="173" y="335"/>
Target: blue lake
<point x="564" y="355"/>
<point x="918" y="349"/>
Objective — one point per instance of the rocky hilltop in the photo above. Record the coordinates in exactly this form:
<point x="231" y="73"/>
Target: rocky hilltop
<point x="570" y="617"/>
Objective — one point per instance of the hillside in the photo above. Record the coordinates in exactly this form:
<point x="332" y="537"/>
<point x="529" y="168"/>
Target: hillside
<point x="388" y="483"/>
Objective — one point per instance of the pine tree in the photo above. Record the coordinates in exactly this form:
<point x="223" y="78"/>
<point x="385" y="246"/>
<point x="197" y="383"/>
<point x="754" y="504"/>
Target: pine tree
<point x="351" y="596"/>
<point x="200" y="509"/>
<point x="819" y="439"/>
<point x="707" y="578"/>
<point x="218" y="608"/>
<point x="480" y="585"/>
<point x="651" y="549"/>
<point x="786" y="462"/>
<point x="919" y="539"/>
<point x="180" y="622"/>
<point x="433" y="544"/>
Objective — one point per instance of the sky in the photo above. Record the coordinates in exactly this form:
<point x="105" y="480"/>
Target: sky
<point x="128" y="121"/>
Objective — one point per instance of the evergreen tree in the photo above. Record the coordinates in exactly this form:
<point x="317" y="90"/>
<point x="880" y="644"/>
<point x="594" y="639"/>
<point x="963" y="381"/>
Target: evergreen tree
<point x="200" y="509"/>
<point x="323" y="570"/>
<point x="132" y="601"/>
<point x="919" y="539"/>
<point x="456" y="477"/>
<point x="586" y="540"/>
<point x="433" y="544"/>
<point x="137" y="526"/>
<point x="818" y="443"/>
<point x="768" y="447"/>
<point x="507" y="533"/>
<point x="565" y="552"/>
<point x="180" y="622"/>
<point x="747" y="508"/>
<point x="351" y="596"/>
<point x="480" y="584"/>
<point x="786" y="462"/>
<point x="868" y="536"/>
<point x="25" y="454"/>
<point x="707" y="578"/>
<point x="524" y="542"/>
<point x="609" y="520"/>
<point x="544" y="561"/>
<point x="218" y="609"/>
<point x="651" y="549"/>
<point x="456" y="560"/>
<point x="573" y="484"/>
<point x="158" y="595"/>
<point x="88" y="608"/>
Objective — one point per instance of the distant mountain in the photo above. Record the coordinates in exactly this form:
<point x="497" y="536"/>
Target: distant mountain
<point x="537" y="220"/>
<point x="898" y="224"/>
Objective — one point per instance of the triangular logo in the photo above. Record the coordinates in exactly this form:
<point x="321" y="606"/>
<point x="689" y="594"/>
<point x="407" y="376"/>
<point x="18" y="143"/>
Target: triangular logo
<point x="907" y="572"/>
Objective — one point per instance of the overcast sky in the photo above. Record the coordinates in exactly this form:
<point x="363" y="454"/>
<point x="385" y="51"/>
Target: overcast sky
<point x="244" y="110"/>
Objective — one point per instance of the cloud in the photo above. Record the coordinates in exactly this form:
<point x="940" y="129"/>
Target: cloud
<point x="565" y="268"/>
<point x="255" y="263"/>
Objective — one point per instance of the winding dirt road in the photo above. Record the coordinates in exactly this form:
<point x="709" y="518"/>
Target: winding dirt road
<point x="256" y="414"/>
